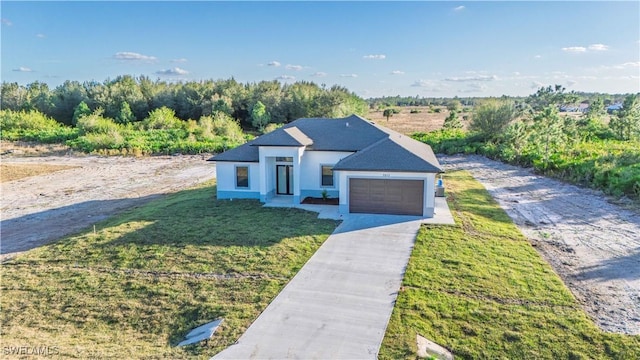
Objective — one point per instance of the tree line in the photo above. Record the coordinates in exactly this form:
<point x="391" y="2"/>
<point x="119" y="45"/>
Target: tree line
<point x="595" y="149"/>
<point x="128" y="99"/>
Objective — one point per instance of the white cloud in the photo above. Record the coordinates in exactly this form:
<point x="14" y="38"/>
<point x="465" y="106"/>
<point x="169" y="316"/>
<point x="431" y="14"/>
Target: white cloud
<point x="23" y="69"/>
<point x="6" y="22"/>
<point x="397" y="72"/>
<point x="40" y="36"/>
<point x="538" y="57"/>
<point x="422" y="83"/>
<point x="536" y="84"/>
<point x="375" y="57"/>
<point x="458" y="8"/>
<point x="286" y="77"/>
<point x="274" y="63"/>
<point x="319" y="74"/>
<point x="181" y="60"/>
<point x="132" y="56"/>
<point x="629" y="65"/>
<point x="294" y="67"/>
<point x="349" y="75"/>
<point x="473" y="78"/>
<point x="575" y="49"/>
<point x="474" y="88"/>
<point x="598" y="47"/>
<point x="173" y="72"/>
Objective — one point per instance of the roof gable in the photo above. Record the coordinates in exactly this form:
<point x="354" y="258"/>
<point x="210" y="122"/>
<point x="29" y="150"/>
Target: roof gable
<point x="289" y="136"/>
<point x="395" y="153"/>
<point x="351" y="133"/>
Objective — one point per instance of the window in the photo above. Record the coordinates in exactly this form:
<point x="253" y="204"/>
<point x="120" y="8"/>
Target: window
<point x="242" y="176"/>
<point x="284" y="159"/>
<point x="327" y="175"/>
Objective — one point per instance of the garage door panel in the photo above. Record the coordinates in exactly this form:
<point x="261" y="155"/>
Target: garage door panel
<point x="378" y="196"/>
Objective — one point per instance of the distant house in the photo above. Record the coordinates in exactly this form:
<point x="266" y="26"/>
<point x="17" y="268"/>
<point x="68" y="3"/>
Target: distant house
<point x="370" y="168"/>
<point x="614" y="107"/>
<point x="583" y="108"/>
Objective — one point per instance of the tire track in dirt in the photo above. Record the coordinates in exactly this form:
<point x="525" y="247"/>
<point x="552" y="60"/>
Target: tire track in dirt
<point x="592" y="244"/>
<point x="40" y="209"/>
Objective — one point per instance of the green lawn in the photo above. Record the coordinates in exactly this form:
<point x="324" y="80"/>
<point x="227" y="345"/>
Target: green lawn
<point x="138" y="284"/>
<point x="481" y="290"/>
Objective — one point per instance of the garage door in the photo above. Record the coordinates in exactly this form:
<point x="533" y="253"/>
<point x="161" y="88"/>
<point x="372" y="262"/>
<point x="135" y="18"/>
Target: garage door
<point x="376" y="196"/>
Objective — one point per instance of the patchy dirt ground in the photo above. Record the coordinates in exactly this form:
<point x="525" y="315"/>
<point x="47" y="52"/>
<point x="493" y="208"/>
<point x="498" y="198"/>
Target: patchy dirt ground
<point x="592" y="244"/>
<point x="39" y="209"/>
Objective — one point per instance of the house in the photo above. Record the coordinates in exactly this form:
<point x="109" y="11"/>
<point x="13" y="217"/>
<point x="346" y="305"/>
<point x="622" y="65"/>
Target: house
<point x="614" y="107"/>
<point x="370" y="168"/>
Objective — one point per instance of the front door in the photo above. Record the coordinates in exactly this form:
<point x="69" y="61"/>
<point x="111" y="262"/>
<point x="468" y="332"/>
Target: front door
<point x="284" y="179"/>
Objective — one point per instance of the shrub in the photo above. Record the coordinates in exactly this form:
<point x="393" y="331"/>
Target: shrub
<point x="162" y="118"/>
<point x="96" y="124"/>
<point x="33" y="126"/>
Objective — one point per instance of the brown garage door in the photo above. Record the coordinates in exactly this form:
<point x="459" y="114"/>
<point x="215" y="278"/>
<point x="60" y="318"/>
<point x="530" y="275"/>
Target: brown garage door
<point x="376" y="196"/>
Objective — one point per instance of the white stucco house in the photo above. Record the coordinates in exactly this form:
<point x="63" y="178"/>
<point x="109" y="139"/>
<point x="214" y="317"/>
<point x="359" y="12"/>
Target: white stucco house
<point x="370" y="168"/>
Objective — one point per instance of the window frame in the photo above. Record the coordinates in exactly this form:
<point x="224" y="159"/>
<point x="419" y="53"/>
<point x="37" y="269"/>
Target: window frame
<point x="333" y="176"/>
<point x="237" y="178"/>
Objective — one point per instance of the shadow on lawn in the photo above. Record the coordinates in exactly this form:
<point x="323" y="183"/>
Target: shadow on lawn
<point x="196" y="218"/>
<point x="624" y="267"/>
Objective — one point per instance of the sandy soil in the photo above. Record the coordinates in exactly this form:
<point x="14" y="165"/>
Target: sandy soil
<point x="407" y="123"/>
<point x="40" y="209"/>
<point x="591" y="243"/>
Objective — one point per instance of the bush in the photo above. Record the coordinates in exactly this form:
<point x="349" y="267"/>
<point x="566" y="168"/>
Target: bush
<point x="33" y="126"/>
<point x="96" y="124"/>
<point x="162" y="118"/>
<point x="612" y="166"/>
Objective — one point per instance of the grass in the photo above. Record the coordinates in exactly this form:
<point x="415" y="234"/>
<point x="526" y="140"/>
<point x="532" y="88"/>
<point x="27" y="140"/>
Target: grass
<point x="137" y="285"/>
<point x="481" y="290"/>
<point x="11" y="172"/>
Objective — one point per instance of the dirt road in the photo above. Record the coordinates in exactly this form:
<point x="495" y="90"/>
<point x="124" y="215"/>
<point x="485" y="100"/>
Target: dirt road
<point x="40" y="209"/>
<point x="593" y="244"/>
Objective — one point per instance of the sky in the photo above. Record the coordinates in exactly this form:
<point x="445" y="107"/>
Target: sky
<point x="425" y="49"/>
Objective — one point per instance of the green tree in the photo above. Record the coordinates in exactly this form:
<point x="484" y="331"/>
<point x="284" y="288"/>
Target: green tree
<point x="259" y="116"/>
<point x="452" y="121"/>
<point x="387" y="113"/>
<point x="548" y="133"/>
<point x="454" y="106"/>
<point x="125" y="115"/>
<point x="79" y="111"/>
<point x="546" y="96"/>
<point x="12" y="96"/>
<point x="625" y="124"/>
<point x="490" y="117"/>
<point x="592" y="123"/>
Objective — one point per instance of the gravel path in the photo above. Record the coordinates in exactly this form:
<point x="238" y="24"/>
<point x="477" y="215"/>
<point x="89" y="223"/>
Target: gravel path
<point x="40" y="209"/>
<point x="592" y="244"/>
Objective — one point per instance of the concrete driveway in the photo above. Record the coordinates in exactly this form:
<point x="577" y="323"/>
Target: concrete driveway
<point x="339" y="303"/>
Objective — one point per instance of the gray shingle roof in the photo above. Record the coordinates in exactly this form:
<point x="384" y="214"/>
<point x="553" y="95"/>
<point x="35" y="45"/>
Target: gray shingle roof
<point x="375" y="147"/>
<point x="395" y="153"/>
<point x="352" y="133"/>
<point x="287" y="136"/>
<point x="242" y="153"/>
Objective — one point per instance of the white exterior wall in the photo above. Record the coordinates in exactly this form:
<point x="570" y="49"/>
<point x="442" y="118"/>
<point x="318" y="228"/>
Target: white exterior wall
<point x="267" y="169"/>
<point x="226" y="178"/>
<point x="429" y="186"/>
<point x="310" y="176"/>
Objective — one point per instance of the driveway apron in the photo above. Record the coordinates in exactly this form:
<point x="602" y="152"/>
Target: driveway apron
<point x="339" y="303"/>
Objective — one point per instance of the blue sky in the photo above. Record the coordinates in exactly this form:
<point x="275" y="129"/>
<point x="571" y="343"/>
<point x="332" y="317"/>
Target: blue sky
<point x="439" y="49"/>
